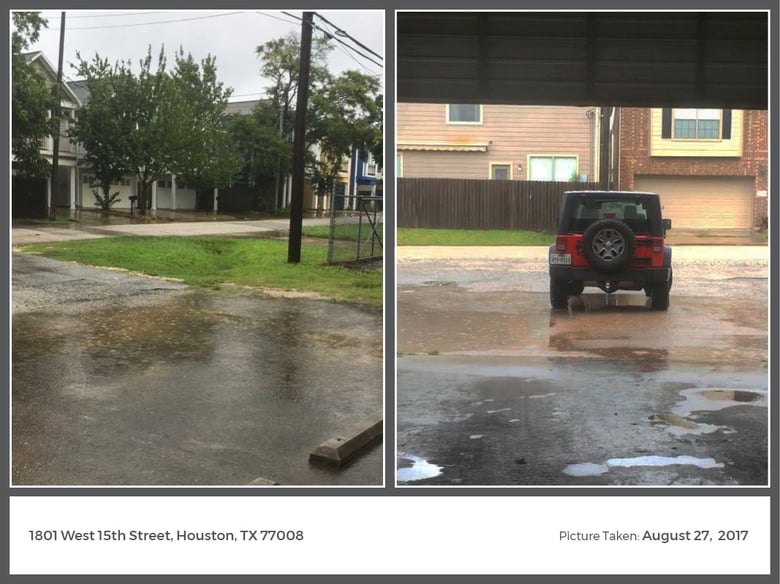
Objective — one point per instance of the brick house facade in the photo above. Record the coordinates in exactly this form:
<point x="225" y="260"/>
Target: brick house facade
<point x="642" y="160"/>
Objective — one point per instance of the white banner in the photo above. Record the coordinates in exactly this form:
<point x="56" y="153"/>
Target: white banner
<point x="390" y="535"/>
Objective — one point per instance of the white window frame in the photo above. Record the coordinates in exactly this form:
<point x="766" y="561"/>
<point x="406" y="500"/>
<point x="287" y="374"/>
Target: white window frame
<point x="451" y="123"/>
<point x="697" y="114"/>
<point x="494" y="164"/>
<point x="553" y="157"/>
<point x="48" y="139"/>
<point x="370" y="167"/>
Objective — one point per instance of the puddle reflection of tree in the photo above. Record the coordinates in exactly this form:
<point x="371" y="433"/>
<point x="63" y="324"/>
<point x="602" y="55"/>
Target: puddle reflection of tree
<point x="290" y="351"/>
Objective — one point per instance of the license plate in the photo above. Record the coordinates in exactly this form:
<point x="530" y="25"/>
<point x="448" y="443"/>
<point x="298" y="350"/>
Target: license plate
<point x="560" y="259"/>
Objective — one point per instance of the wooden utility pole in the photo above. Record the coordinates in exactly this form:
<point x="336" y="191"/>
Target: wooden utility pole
<point x="299" y="143"/>
<point x="56" y="114"/>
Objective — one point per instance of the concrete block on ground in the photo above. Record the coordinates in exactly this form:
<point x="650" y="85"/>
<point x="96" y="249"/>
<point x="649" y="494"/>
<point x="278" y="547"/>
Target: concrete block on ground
<point x="339" y="450"/>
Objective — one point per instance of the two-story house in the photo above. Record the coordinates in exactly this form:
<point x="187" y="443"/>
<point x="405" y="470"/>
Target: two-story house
<point x="32" y="197"/>
<point x="505" y="142"/>
<point x="708" y="165"/>
<point x="76" y="188"/>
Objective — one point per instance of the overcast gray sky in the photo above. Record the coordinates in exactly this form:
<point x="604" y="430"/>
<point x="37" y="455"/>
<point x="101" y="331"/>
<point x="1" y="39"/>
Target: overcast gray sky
<point x="231" y="36"/>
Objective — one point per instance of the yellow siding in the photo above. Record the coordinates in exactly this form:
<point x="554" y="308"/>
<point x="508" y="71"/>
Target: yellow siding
<point x="713" y="148"/>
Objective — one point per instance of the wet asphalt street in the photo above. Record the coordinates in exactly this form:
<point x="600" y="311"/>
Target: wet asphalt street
<point x="495" y="388"/>
<point x="125" y="380"/>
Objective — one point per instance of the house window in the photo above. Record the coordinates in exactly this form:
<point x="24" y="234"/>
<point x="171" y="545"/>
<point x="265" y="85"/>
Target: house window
<point x="399" y="165"/>
<point x="500" y="171"/>
<point x="370" y="166"/>
<point x="697" y="124"/>
<point x="460" y="113"/>
<point x="554" y="168"/>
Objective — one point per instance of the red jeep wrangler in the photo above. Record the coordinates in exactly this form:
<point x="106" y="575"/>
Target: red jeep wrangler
<point x="613" y="240"/>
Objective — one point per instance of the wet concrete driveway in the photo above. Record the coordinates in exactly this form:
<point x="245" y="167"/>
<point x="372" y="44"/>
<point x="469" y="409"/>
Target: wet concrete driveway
<point x="125" y="380"/>
<point x="495" y="388"/>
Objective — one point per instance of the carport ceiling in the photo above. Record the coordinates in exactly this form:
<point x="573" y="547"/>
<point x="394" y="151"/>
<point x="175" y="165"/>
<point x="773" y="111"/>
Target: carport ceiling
<point x="643" y="59"/>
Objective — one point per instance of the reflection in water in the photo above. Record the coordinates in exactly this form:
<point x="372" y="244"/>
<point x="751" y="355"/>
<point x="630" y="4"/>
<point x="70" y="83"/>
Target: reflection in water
<point x="196" y="388"/>
<point x="712" y="399"/>
<point x="289" y="327"/>
<point x="121" y="338"/>
<point x="664" y="461"/>
<point x="420" y="469"/>
<point x="591" y="469"/>
<point x="595" y="301"/>
<point x="585" y="469"/>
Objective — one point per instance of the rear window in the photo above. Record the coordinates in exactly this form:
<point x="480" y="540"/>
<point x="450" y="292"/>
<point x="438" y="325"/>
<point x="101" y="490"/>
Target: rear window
<point x="582" y="211"/>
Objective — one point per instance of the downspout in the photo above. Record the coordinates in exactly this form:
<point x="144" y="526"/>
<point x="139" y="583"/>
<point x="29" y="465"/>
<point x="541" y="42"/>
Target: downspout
<point x="616" y="148"/>
<point x="593" y="171"/>
<point x="604" y="159"/>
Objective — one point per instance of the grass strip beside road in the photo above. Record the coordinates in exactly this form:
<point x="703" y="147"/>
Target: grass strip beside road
<point x="210" y="262"/>
<point x="413" y="236"/>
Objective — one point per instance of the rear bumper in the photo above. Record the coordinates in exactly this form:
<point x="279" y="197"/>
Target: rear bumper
<point x="569" y="274"/>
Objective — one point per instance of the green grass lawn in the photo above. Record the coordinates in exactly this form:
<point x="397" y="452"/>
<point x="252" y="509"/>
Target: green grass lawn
<point x="209" y="262"/>
<point x="410" y="236"/>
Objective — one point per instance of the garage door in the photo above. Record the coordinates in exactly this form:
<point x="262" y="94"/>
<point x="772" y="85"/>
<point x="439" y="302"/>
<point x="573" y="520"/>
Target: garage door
<point x="703" y="202"/>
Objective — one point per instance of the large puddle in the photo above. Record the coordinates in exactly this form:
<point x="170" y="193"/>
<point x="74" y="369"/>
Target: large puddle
<point x="196" y="388"/>
<point x="682" y="419"/>
<point x="420" y="469"/>
<point x="589" y="469"/>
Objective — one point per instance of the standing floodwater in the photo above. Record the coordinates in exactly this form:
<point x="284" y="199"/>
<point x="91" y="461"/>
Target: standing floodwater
<point x="123" y="380"/>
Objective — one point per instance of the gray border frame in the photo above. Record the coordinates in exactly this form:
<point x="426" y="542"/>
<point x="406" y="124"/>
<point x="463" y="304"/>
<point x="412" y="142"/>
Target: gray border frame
<point x="391" y="7"/>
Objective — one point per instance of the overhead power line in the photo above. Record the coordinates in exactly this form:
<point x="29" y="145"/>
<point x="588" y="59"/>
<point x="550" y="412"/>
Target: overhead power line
<point x="342" y="32"/>
<point x="128" y="25"/>
<point x="276" y="17"/>
<point x="75" y="15"/>
<point x="331" y="35"/>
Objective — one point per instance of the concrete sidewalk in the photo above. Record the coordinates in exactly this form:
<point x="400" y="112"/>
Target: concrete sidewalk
<point x="25" y="234"/>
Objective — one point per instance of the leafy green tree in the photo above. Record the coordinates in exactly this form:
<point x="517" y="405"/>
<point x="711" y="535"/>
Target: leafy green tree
<point x="163" y="122"/>
<point x="206" y="157"/>
<point x="344" y="115"/>
<point x="31" y="102"/>
<point x="263" y="151"/>
<point x="344" y="112"/>
<point x="100" y="122"/>
<point x="281" y="67"/>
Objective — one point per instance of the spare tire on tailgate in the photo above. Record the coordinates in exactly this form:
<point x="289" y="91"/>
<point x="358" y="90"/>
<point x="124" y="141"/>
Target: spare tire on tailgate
<point x="608" y="245"/>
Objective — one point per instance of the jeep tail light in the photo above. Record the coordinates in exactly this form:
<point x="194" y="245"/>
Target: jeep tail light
<point x="560" y="243"/>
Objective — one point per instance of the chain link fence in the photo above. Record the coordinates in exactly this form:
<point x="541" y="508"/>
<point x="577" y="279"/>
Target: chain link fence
<point x="356" y="229"/>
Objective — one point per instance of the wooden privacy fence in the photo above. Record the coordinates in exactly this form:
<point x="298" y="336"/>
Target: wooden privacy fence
<point x="481" y="204"/>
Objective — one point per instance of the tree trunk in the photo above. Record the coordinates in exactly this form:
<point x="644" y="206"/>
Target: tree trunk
<point x="143" y="198"/>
